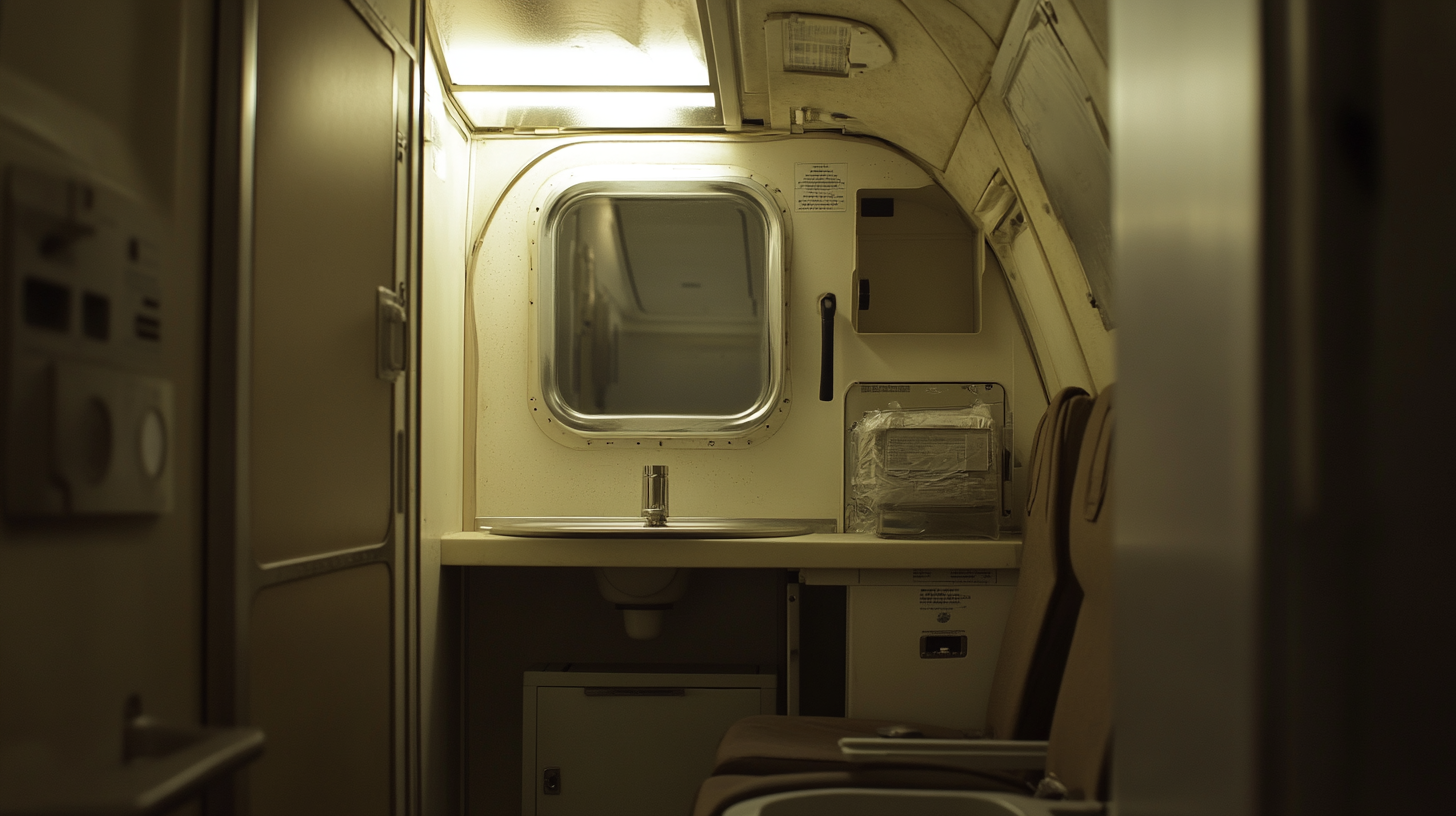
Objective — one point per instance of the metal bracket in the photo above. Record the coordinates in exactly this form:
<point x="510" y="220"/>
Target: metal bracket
<point x="393" y="345"/>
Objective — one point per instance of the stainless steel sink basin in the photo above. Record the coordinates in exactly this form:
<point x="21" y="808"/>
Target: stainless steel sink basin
<point x="675" y="527"/>
<point x="653" y="523"/>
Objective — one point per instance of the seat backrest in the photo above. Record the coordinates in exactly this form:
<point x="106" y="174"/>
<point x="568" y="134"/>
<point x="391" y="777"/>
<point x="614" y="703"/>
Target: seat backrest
<point x="1044" y="612"/>
<point x="1081" y="736"/>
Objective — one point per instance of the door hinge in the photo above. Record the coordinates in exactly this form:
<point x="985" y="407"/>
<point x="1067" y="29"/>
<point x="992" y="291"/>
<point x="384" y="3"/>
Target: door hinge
<point x="393" y="336"/>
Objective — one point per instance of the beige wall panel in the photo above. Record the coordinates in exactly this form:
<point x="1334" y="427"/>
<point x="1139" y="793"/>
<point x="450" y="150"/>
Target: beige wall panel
<point x="917" y="101"/>
<point x="442" y="447"/>
<point x="1035" y="290"/>
<point x="1045" y="322"/>
<point x="320" y="690"/>
<point x="1094" y="16"/>
<point x="321" y="432"/>
<point x="993" y="16"/>
<point x="1048" y="326"/>
<point x="1061" y="256"/>
<point x="960" y="38"/>
<point x="796" y="473"/>
<point x="92" y="610"/>
<point x="117" y="64"/>
<point x="397" y="13"/>
<point x="919" y="265"/>
<point x="1049" y="329"/>
<point x="975" y="160"/>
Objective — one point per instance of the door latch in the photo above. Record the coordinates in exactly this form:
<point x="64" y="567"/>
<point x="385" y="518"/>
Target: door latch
<point x="393" y="338"/>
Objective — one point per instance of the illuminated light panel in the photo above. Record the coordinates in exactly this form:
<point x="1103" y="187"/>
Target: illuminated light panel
<point x="575" y="42"/>
<point x="616" y="64"/>
<point x="586" y="109"/>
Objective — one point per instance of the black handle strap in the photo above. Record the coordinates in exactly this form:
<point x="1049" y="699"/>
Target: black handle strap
<point x="827" y="305"/>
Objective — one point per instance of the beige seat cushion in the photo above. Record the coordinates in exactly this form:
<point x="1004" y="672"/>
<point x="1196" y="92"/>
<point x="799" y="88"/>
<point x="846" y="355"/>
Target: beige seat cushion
<point x="722" y="792"/>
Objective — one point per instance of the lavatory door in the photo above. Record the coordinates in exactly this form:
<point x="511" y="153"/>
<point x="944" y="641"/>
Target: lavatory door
<point x="310" y="503"/>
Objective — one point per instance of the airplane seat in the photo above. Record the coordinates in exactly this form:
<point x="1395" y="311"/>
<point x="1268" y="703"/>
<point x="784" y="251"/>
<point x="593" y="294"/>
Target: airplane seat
<point x="1033" y="650"/>
<point x="1079" y="738"/>
<point x="1080" y="744"/>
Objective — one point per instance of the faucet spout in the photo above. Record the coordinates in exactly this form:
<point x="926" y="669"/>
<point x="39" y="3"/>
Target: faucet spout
<point x="654" y="495"/>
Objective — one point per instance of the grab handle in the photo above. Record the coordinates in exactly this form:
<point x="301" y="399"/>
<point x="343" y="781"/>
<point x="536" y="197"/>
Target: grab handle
<point x="826" y="366"/>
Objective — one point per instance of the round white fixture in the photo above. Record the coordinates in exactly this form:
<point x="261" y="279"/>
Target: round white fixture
<point x="152" y="443"/>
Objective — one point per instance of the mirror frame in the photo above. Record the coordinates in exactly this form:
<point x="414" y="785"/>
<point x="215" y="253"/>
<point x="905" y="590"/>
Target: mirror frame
<point x="578" y="430"/>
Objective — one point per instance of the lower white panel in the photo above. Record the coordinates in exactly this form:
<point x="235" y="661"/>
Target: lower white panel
<point x="889" y="679"/>
<point x="631" y="756"/>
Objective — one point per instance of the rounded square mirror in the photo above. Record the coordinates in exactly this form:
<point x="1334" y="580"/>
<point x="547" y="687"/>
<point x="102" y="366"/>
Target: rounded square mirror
<point x="660" y="305"/>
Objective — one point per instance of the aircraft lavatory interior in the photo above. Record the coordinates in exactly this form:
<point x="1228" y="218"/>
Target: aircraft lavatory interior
<point x="725" y="407"/>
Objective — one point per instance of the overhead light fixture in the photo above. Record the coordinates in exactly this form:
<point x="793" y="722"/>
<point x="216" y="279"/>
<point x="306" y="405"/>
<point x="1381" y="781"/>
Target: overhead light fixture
<point x="831" y="46"/>
<point x="583" y="63"/>
<point x="605" y="61"/>
<point x="594" y="109"/>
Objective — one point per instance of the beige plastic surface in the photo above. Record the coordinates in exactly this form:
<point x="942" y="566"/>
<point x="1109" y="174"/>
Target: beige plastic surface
<point x="816" y="550"/>
<point x="516" y="470"/>
<point x="442" y="348"/>
<point x="923" y="266"/>
<point x="631" y="756"/>
<point x="320" y="680"/>
<point x="319" y="649"/>
<point x="1059" y="256"/>
<point x="885" y="101"/>
<point x="886" y="677"/>
<point x="321" y="425"/>
<point x="396" y="13"/>
<point x="90" y="613"/>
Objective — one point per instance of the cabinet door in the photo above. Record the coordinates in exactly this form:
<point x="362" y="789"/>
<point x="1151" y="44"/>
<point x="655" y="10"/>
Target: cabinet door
<point x="891" y="676"/>
<point x="630" y="755"/>
<point x="311" y="490"/>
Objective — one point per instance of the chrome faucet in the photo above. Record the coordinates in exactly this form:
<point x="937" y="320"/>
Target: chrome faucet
<point x="654" y="495"/>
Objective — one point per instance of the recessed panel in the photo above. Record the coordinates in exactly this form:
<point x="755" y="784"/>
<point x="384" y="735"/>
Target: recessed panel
<point x="320" y="690"/>
<point x="918" y="264"/>
<point x="322" y="424"/>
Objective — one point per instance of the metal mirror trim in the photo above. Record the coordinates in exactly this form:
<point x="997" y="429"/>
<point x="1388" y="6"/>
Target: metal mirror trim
<point x="643" y="209"/>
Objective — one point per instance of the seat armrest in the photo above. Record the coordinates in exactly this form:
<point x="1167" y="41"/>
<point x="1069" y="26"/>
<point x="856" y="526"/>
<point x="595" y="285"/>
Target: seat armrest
<point x="973" y="754"/>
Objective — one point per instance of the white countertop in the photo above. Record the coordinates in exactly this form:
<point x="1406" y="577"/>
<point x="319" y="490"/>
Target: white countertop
<point x="816" y="550"/>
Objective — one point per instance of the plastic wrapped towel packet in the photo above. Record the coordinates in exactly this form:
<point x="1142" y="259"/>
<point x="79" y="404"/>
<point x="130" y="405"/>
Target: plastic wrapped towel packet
<point x="925" y="473"/>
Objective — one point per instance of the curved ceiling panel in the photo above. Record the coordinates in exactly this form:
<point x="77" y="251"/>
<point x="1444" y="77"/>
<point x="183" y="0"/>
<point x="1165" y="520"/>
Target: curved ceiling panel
<point x="961" y="39"/>
<point x="993" y="16"/>
<point x="572" y="42"/>
<point x="919" y="101"/>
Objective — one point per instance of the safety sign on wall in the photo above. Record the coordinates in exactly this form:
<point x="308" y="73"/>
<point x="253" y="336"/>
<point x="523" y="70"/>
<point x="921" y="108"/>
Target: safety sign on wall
<point x="820" y="187"/>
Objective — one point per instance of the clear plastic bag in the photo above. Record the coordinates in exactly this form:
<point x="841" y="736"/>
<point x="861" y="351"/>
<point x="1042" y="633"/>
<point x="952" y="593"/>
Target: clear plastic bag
<point x="925" y="473"/>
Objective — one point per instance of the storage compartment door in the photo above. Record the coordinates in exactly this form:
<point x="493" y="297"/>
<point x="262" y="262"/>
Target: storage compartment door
<point x="621" y="755"/>
<point x="925" y="654"/>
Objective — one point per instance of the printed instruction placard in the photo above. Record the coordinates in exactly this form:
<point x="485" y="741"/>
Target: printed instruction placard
<point x="947" y="599"/>
<point x="820" y="187"/>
